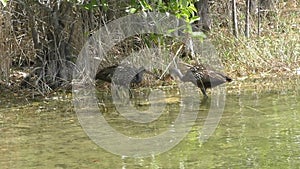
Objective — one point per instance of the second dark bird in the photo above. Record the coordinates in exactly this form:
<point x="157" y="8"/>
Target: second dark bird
<point x="202" y="77"/>
<point x="123" y="75"/>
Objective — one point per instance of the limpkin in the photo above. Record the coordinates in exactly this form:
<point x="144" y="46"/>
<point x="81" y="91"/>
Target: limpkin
<point x="202" y="77"/>
<point x="123" y="75"/>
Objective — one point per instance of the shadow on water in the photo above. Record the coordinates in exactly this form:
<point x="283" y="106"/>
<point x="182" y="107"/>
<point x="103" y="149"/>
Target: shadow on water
<point x="257" y="130"/>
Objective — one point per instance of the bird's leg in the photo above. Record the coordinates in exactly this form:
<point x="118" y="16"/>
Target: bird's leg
<point x="129" y="88"/>
<point x="130" y="93"/>
<point x="204" y="92"/>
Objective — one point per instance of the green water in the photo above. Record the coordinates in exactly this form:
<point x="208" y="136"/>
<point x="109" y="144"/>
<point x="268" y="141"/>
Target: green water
<point x="257" y="130"/>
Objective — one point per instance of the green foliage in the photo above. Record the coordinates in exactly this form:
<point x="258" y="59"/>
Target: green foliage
<point x="4" y="2"/>
<point x="92" y="4"/>
<point x="95" y="4"/>
<point x="183" y="9"/>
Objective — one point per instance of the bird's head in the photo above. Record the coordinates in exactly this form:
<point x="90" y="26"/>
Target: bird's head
<point x="175" y="72"/>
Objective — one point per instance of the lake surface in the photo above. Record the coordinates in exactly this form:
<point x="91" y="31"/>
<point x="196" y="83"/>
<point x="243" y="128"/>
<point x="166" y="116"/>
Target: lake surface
<point x="257" y="130"/>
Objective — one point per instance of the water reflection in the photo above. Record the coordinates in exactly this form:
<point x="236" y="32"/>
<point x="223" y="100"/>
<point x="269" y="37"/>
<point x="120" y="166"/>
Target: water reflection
<point x="257" y="130"/>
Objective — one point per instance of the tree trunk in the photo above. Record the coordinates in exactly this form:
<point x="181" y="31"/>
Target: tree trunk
<point x="234" y="19"/>
<point x="204" y="24"/>
<point x="266" y="8"/>
<point x="52" y="32"/>
<point x="266" y="4"/>
<point x="258" y="18"/>
<point x="252" y="6"/>
<point x="247" y="24"/>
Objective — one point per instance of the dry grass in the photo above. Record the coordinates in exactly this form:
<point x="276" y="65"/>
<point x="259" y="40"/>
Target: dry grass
<point x="275" y="53"/>
<point x="16" y="44"/>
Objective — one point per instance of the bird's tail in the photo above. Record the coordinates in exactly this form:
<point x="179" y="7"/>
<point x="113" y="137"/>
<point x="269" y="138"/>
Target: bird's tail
<point x="228" y="79"/>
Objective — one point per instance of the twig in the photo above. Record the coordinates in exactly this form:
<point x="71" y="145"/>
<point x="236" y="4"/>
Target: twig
<point x="173" y="60"/>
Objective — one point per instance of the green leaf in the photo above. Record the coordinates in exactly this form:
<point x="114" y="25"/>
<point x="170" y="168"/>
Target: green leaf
<point x="131" y="10"/>
<point x="145" y="5"/>
<point x="184" y="3"/>
<point x="200" y="35"/>
<point x="90" y="6"/>
<point x="194" y="18"/>
<point x="192" y="8"/>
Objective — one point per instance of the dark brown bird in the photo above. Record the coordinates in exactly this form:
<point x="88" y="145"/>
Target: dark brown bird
<point x="202" y="77"/>
<point x="123" y="75"/>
